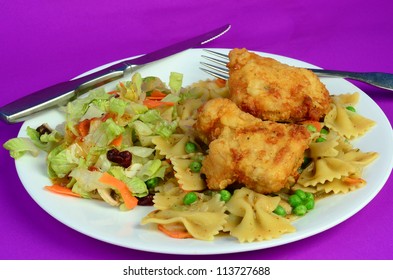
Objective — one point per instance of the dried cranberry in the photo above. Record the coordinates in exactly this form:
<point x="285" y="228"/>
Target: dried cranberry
<point x="44" y="129"/>
<point x="122" y="158"/>
<point x="146" y="200"/>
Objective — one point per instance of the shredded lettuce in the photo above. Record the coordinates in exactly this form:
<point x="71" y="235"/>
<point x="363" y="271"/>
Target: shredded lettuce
<point x="46" y="141"/>
<point x="150" y="170"/>
<point x="171" y="98"/>
<point x="165" y="129"/>
<point x="78" y="152"/>
<point x="96" y="157"/>
<point x="151" y="116"/>
<point x="92" y="112"/>
<point x="65" y="160"/>
<point x="136" y="108"/>
<point x="87" y="180"/>
<point x="76" y="109"/>
<point x="136" y="185"/>
<point x="19" y="146"/>
<point x="140" y="151"/>
<point x="142" y="129"/>
<point x="157" y="124"/>
<point x="104" y="134"/>
<point x="131" y="90"/>
<point x="175" y="81"/>
<point x="117" y="106"/>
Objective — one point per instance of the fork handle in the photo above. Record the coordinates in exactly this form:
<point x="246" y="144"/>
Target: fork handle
<point x="378" y="79"/>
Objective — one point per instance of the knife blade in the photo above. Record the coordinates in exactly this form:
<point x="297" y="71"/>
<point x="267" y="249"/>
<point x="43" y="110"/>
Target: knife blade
<point x="64" y="92"/>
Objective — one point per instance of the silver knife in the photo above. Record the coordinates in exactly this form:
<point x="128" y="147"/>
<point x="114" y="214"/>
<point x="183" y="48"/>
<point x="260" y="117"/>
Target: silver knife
<point x="64" y="92"/>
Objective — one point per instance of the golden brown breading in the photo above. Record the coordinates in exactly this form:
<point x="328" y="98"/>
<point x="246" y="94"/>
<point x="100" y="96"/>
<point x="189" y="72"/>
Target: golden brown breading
<point x="218" y="113"/>
<point x="274" y="91"/>
<point x="262" y="155"/>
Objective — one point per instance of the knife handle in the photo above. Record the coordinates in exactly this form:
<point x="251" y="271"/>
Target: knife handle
<point x="58" y="94"/>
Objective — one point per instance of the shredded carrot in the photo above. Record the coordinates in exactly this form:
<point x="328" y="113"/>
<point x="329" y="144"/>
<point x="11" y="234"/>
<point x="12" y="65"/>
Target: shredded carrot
<point x="157" y="93"/>
<point x="180" y="234"/>
<point x="316" y="124"/>
<point x="113" y="92"/>
<point x="156" y="103"/>
<point x="159" y="98"/>
<point x="220" y="82"/>
<point x="108" y="116"/>
<point x="62" y="190"/>
<point x="129" y="200"/>
<point x="117" y="141"/>
<point x="83" y="127"/>
<point x="353" y="181"/>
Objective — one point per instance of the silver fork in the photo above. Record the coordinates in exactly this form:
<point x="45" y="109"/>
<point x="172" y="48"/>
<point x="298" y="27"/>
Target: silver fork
<point x="377" y="79"/>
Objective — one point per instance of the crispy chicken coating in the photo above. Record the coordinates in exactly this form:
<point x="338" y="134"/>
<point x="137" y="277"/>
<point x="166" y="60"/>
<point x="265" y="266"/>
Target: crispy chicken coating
<point x="262" y="155"/>
<point x="274" y="91"/>
<point x="218" y="113"/>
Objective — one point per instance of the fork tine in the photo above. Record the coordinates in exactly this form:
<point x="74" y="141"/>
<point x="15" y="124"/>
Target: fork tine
<point x="215" y="60"/>
<point x="213" y="69"/>
<point x="215" y="74"/>
<point x="216" y="68"/>
<point x="217" y="54"/>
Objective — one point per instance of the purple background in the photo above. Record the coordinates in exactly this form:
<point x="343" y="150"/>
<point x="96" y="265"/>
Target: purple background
<point x="45" y="42"/>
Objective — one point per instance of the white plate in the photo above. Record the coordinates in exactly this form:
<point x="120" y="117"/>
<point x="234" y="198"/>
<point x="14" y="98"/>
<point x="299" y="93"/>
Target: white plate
<point x="108" y="224"/>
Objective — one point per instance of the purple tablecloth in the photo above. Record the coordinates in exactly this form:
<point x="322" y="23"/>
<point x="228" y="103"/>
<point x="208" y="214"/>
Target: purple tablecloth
<point x="45" y="42"/>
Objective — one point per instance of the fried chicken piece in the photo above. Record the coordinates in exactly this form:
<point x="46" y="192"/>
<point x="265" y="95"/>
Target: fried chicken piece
<point x="218" y="113"/>
<point x="262" y="155"/>
<point x="274" y="91"/>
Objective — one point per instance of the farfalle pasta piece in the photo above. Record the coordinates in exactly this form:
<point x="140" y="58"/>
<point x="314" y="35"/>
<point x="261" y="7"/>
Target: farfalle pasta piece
<point x="188" y="181"/>
<point x="345" y="122"/>
<point x="251" y="217"/>
<point x="173" y="146"/>
<point x="168" y="195"/>
<point x="203" y="219"/>
<point x="326" y="148"/>
<point x="343" y="146"/>
<point x="310" y="189"/>
<point x="188" y="109"/>
<point x="342" y="185"/>
<point x="325" y="169"/>
<point x="208" y="89"/>
<point x="359" y="158"/>
<point x="348" y="99"/>
<point x="187" y="114"/>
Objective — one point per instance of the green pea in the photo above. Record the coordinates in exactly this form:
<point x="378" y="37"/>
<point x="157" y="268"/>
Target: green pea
<point x="311" y="128"/>
<point x="280" y="211"/>
<point x="294" y="200"/>
<point x="309" y="196"/>
<point x="320" y="139"/>
<point x="309" y="204"/>
<point x="190" y="147"/>
<point x="190" y="198"/>
<point x="301" y="194"/>
<point x="324" y="131"/>
<point x="351" y="108"/>
<point x="299" y="210"/>
<point x="225" y="195"/>
<point x="151" y="183"/>
<point x="195" y="166"/>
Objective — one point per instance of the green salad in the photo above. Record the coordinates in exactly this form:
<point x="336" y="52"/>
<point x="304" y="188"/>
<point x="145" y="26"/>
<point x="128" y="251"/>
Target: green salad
<point x="104" y="149"/>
